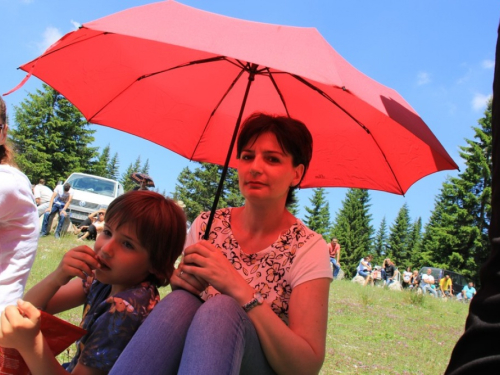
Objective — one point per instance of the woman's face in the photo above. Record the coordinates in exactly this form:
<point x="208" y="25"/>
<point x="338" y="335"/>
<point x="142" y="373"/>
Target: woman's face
<point x="265" y="171"/>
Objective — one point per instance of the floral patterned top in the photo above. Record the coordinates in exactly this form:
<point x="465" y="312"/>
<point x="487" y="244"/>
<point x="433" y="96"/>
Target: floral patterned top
<point x="111" y="321"/>
<point x="297" y="256"/>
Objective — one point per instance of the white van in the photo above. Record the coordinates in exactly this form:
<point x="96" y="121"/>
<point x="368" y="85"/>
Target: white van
<point x="90" y="193"/>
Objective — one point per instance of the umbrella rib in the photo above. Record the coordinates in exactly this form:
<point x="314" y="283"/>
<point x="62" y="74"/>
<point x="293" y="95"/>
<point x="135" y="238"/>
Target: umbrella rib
<point x="278" y="91"/>
<point x="203" y="61"/>
<point x="327" y="97"/>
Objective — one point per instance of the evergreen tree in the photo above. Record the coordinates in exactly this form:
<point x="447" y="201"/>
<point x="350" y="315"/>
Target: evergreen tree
<point x="399" y="238"/>
<point x="100" y="167"/>
<point x="456" y="236"/>
<point x="51" y="137"/>
<point x="318" y="218"/>
<point x="145" y="167"/>
<point x="415" y="245"/>
<point x="380" y="245"/>
<point x="197" y="189"/>
<point x="293" y="208"/>
<point x="112" y="169"/>
<point x="353" y="229"/>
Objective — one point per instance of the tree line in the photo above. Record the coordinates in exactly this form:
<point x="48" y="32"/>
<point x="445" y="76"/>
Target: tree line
<point x="53" y="139"/>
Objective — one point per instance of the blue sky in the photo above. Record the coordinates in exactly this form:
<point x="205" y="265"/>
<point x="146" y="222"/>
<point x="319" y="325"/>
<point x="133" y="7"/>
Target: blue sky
<point x="439" y="55"/>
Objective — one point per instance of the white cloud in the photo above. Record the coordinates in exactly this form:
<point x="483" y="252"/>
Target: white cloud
<point x="488" y="64"/>
<point x="50" y="36"/>
<point x="423" y="78"/>
<point x="479" y="101"/>
<point x="75" y="24"/>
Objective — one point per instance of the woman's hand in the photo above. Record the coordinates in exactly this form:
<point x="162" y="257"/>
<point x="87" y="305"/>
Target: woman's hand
<point x="184" y="280"/>
<point x="206" y="262"/>
<point x="20" y="326"/>
<point x="79" y="261"/>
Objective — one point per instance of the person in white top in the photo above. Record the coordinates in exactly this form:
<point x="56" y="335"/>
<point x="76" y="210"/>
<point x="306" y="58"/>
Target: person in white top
<point x="59" y="202"/>
<point x="262" y="275"/>
<point x="42" y="196"/>
<point x="18" y="223"/>
<point x="427" y="282"/>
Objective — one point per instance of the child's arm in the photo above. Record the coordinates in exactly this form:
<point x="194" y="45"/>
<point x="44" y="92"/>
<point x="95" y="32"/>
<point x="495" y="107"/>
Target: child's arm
<point x="58" y="292"/>
<point x="20" y="329"/>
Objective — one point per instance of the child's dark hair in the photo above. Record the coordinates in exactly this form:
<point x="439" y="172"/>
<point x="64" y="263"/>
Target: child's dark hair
<point x="292" y="135"/>
<point x="160" y="227"/>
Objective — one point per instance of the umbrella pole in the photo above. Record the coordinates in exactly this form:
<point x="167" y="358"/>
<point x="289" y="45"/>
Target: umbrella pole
<point x="252" y="70"/>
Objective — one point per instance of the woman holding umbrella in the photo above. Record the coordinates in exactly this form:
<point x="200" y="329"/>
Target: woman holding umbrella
<point x="253" y="298"/>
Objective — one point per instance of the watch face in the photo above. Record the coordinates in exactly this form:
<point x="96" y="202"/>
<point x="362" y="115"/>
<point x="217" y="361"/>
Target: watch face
<point x="259" y="298"/>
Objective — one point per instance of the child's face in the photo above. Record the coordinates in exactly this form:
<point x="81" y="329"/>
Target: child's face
<point x="124" y="262"/>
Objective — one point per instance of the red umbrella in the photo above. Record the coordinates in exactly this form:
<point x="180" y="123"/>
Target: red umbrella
<point x="189" y="76"/>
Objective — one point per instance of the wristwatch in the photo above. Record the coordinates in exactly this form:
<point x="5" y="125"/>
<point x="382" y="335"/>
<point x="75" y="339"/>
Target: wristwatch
<point x="257" y="300"/>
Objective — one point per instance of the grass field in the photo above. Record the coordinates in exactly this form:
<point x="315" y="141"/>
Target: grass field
<point x="370" y="330"/>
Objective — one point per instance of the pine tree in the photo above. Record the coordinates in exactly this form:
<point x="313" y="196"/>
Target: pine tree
<point x="380" y="245"/>
<point x="415" y="244"/>
<point x="197" y="189"/>
<point x="51" y="137"/>
<point x="100" y="167"/>
<point x="293" y="208"/>
<point x="318" y="219"/>
<point x="112" y="169"/>
<point x="399" y="238"/>
<point x="353" y="229"/>
<point x="456" y="236"/>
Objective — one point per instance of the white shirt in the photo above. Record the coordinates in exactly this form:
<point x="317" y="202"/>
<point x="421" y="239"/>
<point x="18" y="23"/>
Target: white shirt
<point x="43" y="193"/>
<point x="18" y="233"/>
<point x="62" y="196"/>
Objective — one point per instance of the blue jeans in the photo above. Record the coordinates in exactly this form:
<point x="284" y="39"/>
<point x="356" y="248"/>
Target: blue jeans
<point x="183" y="335"/>
<point x="425" y="287"/>
<point x="336" y="267"/>
<point x="55" y="208"/>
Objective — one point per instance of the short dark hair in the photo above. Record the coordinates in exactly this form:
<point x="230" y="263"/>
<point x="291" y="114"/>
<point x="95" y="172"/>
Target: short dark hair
<point x="160" y="226"/>
<point x="292" y="135"/>
<point x="41" y="181"/>
<point x="67" y="186"/>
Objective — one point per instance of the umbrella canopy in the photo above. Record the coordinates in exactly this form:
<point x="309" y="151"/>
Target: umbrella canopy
<point x="182" y="78"/>
<point x="139" y="177"/>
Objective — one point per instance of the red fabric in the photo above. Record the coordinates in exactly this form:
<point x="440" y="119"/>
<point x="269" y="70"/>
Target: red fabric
<point x="380" y="141"/>
<point x="58" y="333"/>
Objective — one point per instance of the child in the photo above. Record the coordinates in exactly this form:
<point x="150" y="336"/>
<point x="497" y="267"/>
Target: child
<point x="143" y="236"/>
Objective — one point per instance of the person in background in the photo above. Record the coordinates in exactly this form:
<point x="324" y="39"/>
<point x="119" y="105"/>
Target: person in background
<point x="415" y="280"/>
<point x="253" y="297"/>
<point x="95" y="228"/>
<point x="91" y="219"/>
<point x="468" y="292"/>
<point x="445" y="287"/>
<point x="116" y="283"/>
<point x="42" y="196"/>
<point x="18" y="222"/>
<point x="427" y="282"/>
<point x="142" y="186"/>
<point x="365" y="269"/>
<point x="59" y="202"/>
<point x="407" y="278"/>
<point x="389" y="271"/>
<point x="334" y="250"/>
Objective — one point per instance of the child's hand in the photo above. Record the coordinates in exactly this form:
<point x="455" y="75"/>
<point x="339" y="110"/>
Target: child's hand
<point x="79" y="261"/>
<point x="20" y="326"/>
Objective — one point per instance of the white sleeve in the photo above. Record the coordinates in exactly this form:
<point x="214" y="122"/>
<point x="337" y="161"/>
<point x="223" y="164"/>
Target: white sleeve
<point x="193" y="235"/>
<point x="311" y="262"/>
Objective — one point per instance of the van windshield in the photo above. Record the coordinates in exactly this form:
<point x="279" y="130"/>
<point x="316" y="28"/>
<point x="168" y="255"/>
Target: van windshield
<point x="93" y="185"/>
